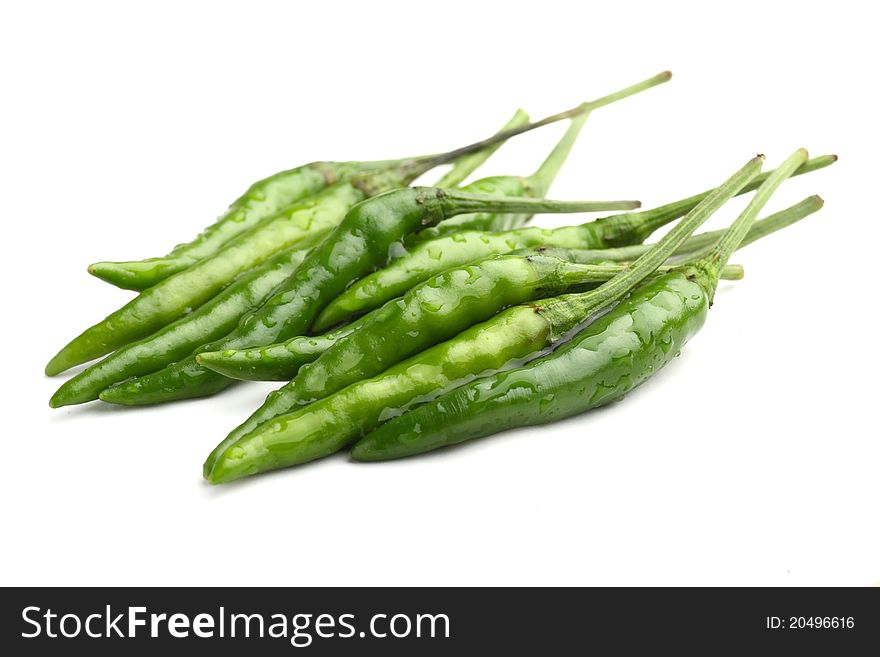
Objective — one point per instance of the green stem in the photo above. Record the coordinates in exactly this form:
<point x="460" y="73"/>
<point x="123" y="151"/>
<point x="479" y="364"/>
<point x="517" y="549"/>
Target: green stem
<point x="467" y="164"/>
<point x="566" y="312"/>
<point x="541" y="180"/>
<point x="638" y="87"/>
<point x="719" y="254"/>
<point x="698" y="244"/>
<point x="547" y="172"/>
<point x="601" y="273"/>
<point x="454" y="202"/>
<point x="637" y="226"/>
<point x="420" y="165"/>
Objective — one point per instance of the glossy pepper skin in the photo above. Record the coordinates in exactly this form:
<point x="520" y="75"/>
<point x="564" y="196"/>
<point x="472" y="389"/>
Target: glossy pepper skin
<point x="428" y="314"/>
<point x="330" y="424"/>
<point x="428" y="257"/>
<point x="282" y="361"/>
<point x="264" y="198"/>
<point x="178" y="340"/>
<point x="300" y="225"/>
<point x="602" y="363"/>
<point x="357" y="245"/>
<point x="507" y="340"/>
<point x="279" y="361"/>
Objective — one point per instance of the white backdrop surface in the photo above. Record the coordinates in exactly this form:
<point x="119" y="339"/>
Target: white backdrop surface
<point x="752" y="459"/>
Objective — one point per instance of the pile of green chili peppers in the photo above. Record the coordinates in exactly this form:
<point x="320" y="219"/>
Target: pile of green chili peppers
<point x="404" y="319"/>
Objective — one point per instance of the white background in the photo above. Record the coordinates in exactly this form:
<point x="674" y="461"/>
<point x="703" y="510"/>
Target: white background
<point x="752" y="459"/>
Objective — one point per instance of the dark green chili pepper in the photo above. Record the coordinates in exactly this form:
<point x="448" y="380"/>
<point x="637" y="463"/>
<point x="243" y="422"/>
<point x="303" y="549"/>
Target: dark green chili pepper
<point x="178" y="340"/>
<point x="282" y="361"/>
<point x="358" y="244"/>
<point x="602" y="363"/>
<point x="617" y="352"/>
<point x="429" y="257"/>
<point x="335" y="421"/>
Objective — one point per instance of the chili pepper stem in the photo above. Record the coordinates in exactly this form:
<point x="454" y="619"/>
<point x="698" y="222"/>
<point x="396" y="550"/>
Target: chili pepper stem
<point x="708" y="267"/>
<point x="565" y="313"/>
<point x="454" y="202"/>
<point x="541" y="180"/>
<point x="467" y="164"/>
<point x="759" y="229"/>
<point x="420" y="165"/>
<point x="694" y="246"/>
<point x="635" y="227"/>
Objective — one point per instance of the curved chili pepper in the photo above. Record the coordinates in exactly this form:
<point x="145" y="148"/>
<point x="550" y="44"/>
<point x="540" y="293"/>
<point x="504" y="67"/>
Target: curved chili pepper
<point x="178" y="340"/>
<point x="520" y="332"/>
<point x="429" y="257"/>
<point x="356" y="246"/>
<point x="617" y="352"/>
<point x="264" y="198"/>
<point x="601" y="364"/>
<point x="300" y="225"/>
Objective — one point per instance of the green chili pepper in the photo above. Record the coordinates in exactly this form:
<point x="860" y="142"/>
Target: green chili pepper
<point x="602" y="363"/>
<point x="279" y="361"/>
<point x="178" y="340"/>
<point x="300" y="225"/>
<point x="430" y="257"/>
<point x="358" y="244"/>
<point x="335" y="421"/>
<point x="264" y="198"/>
<point x="282" y="361"/>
